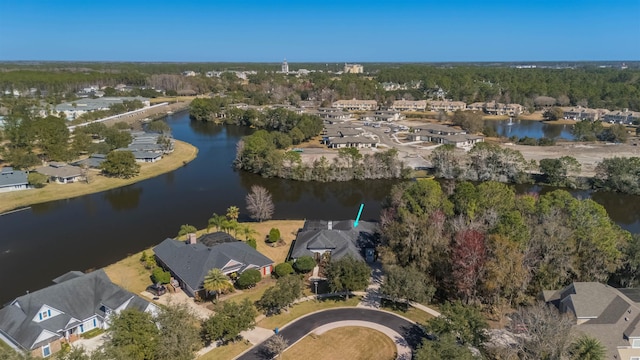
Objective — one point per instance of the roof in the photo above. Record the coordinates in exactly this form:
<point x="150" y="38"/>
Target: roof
<point x="353" y="140"/>
<point x="191" y="262"/>
<point x="339" y="237"/>
<point x="76" y="295"/>
<point x="10" y="177"/>
<point x="602" y="311"/>
<point x="216" y="238"/>
<point x="60" y="170"/>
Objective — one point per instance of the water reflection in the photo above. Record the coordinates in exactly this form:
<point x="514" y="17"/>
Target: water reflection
<point x="532" y="129"/>
<point x="125" y="198"/>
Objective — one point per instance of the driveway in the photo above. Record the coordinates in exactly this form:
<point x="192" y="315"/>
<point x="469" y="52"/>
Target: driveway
<point x="179" y="297"/>
<point x="410" y="332"/>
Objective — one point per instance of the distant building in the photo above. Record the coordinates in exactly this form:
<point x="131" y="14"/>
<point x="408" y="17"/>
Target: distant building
<point x="353" y="69"/>
<point x="581" y="113"/>
<point x="355" y="105"/>
<point x="622" y="117"/>
<point x="446" y="105"/>
<point x="285" y="67"/>
<point x="409" y="105"/>
<point x="72" y="110"/>
<point x="189" y="73"/>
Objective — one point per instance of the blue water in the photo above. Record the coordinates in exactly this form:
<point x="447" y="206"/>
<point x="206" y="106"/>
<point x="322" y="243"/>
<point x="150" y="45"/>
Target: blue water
<point x="532" y="129"/>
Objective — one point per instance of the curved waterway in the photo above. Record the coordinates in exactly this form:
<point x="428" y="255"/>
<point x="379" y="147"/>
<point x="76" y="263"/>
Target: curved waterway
<point x="92" y="231"/>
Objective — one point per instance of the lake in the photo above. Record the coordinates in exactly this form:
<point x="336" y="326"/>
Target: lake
<point x="92" y="231"/>
<point x="532" y="129"/>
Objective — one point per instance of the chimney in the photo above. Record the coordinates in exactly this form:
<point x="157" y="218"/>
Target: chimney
<point x="191" y="238"/>
<point x="330" y="225"/>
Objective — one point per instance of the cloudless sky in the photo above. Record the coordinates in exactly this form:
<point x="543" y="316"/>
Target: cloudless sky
<point x="320" y="31"/>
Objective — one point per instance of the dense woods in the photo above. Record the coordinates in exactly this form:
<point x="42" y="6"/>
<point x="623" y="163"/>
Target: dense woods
<point x="485" y="245"/>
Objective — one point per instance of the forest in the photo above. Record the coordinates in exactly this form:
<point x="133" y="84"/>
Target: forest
<point x="585" y="84"/>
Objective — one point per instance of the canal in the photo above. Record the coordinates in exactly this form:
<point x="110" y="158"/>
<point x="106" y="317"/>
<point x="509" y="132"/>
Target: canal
<point x="92" y="231"/>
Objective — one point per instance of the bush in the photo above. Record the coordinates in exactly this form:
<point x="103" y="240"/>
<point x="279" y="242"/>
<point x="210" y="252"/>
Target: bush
<point x="283" y="269"/>
<point x="249" y="279"/>
<point x="252" y="242"/>
<point x="304" y="264"/>
<point x="160" y="276"/>
<point x="37" y="180"/>
<point x="274" y="235"/>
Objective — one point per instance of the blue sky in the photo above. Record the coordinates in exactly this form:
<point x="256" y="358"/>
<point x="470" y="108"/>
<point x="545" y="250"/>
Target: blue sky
<point x="320" y="31"/>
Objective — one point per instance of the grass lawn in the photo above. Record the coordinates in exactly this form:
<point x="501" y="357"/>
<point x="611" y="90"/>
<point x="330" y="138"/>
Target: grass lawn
<point x="226" y="352"/>
<point x="347" y="343"/>
<point x="182" y="154"/>
<point x="305" y="308"/>
<point x="288" y="230"/>
<point x="410" y="312"/>
<point x="253" y="294"/>
<point x="130" y="273"/>
<point x="495" y="117"/>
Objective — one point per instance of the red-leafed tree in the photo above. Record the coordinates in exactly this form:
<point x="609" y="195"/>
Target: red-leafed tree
<point x="468" y="256"/>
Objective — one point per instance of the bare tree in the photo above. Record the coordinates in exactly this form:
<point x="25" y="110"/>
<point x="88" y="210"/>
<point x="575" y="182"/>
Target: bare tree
<point x="276" y="345"/>
<point x="544" y="332"/>
<point x="259" y="203"/>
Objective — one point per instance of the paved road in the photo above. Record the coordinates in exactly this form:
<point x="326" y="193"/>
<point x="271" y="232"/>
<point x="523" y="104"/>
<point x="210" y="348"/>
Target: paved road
<point x="301" y="327"/>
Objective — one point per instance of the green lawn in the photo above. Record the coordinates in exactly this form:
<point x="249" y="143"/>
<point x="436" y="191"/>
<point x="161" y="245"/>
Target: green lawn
<point x="305" y="308"/>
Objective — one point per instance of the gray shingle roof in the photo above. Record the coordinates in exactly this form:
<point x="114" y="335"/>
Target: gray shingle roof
<point x="10" y="177"/>
<point x="340" y="237"/>
<point x="77" y="296"/>
<point x="191" y="262"/>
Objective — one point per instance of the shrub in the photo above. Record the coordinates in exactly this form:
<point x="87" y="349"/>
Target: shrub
<point x="283" y="269"/>
<point x="37" y="180"/>
<point x="304" y="264"/>
<point x="274" y="235"/>
<point x="249" y="278"/>
<point x="252" y="242"/>
<point x="160" y="276"/>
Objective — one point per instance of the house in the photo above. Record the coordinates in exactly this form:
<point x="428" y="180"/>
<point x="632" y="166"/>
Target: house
<point x="73" y="110"/>
<point x="13" y="180"/>
<point x="383" y="115"/>
<point x="409" y="105"/>
<point x="61" y="173"/>
<point x="146" y="156"/>
<point x="446" y="105"/>
<point x="580" y="113"/>
<point x="190" y="261"/>
<point x="622" y="117"/>
<point x="336" y="239"/>
<point x="39" y="322"/>
<point x="94" y="161"/>
<point x="352" y="142"/>
<point x="355" y="105"/>
<point x="608" y="314"/>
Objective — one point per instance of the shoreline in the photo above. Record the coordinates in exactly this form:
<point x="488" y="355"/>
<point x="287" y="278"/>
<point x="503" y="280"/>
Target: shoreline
<point x="15" y="200"/>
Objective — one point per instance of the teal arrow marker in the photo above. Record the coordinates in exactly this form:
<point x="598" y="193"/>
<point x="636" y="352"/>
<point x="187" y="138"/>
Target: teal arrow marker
<point x="355" y="223"/>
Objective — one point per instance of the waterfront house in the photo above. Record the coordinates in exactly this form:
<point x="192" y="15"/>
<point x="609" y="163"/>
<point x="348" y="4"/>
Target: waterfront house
<point x="608" y="314"/>
<point x="41" y="321"/>
<point x="622" y="117"/>
<point x="190" y="261"/>
<point x="13" y="180"/>
<point x="336" y="239"/>
<point x="61" y="173"/>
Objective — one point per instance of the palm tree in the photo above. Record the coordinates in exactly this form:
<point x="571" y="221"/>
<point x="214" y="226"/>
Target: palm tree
<point x="247" y="231"/>
<point x="233" y="212"/>
<point x="216" y="221"/>
<point x="217" y="281"/>
<point x="587" y="348"/>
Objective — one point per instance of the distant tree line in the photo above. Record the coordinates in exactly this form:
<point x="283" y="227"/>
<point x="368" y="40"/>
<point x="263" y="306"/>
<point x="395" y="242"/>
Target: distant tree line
<point x="490" y="162"/>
